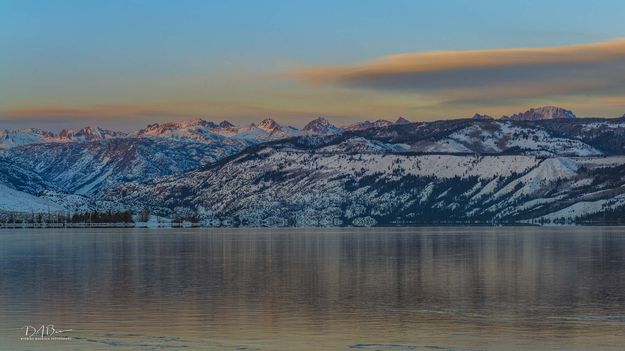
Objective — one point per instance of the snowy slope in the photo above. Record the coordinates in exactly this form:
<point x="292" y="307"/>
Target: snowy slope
<point x="505" y="137"/>
<point x="370" y="172"/>
<point x="311" y="187"/>
<point x="18" y="137"/>
<point x="12" y="138"/>
<point x="18" y="201"/>
<point x="86" y="168"/>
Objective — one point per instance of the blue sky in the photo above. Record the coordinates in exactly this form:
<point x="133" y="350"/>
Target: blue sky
<point x="128" y="62"/>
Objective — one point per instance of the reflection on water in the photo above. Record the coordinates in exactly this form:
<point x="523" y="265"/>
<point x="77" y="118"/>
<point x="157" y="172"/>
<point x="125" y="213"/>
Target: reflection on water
<point x="317" y="289"/>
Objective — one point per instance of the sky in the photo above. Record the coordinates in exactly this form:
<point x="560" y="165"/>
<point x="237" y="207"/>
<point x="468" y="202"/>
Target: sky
<point x="122" y="64"/>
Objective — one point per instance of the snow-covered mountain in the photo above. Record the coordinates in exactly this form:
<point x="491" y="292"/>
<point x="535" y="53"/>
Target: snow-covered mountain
<point x="367" y="125"/>
<point x="204" y="131"/>
<point x="276" y="131"/>
<point x="505" y="137"/>
<point x="321" y="126"/>
<point x="86" y="168"/>
<point x="25" y="191"/>
<point x="542" y="113"/>
<point x="88" y="134"/>
<point x="578" y="137"/>
<point x="17" y="137"/>
<point x="198" y="130"/>
<point x="20" y="178"/>
<point x="293" y="183"/>
<point x="195" y="129"/>
<point x="226" y="124"/>
<point x="223" y="133"/>
<point x="88" y="160"/>
<point x="475" y="169"/>
<point x="402" y="120"/>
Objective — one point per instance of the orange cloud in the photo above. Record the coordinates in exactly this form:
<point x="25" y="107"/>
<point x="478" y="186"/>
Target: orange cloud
<point x="597" y="68"/>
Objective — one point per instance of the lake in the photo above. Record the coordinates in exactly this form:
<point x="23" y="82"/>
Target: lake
<point x="395" y="289"/>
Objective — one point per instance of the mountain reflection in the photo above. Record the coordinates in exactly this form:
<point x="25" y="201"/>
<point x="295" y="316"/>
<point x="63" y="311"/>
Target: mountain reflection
<point x="224" y="282"/>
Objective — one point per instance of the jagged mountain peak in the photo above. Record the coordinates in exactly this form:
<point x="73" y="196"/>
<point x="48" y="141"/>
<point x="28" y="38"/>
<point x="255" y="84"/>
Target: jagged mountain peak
<point x="321" y="125"/>
<point x="226" y="124"/>
<point x="269" y="125"/>
<point x="318" y="121"/>
<point x="88" y="133"/>
<point x="437" y="153"/>
<point x="542" y="113"/>
<point x="156" y="129"/>
<point x="402" y="120"/>
<point x="25" y="136"/>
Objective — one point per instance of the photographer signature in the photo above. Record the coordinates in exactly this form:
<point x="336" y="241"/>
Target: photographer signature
<point x="43" y="331"/>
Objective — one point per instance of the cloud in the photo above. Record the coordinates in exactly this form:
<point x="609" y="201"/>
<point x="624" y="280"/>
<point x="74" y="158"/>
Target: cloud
<point x="596" y="69"/>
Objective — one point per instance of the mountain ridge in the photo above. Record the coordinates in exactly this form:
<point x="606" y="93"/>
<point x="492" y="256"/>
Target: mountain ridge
<point x="569" y="167"/>
<point x="202" y="130"/>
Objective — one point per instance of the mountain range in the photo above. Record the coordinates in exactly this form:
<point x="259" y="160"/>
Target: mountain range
<point x="544" y="165"/>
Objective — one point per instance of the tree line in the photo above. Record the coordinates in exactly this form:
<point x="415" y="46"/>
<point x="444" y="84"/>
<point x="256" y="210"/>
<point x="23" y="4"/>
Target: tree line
<point x="78" y="217"/>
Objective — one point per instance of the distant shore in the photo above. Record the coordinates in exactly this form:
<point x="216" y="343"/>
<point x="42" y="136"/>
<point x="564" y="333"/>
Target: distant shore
<point x="166" y="225"/>
<point x="95" y="225"/>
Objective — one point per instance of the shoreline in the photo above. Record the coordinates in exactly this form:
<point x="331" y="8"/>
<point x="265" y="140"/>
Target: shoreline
<point x="199" y="225"/>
